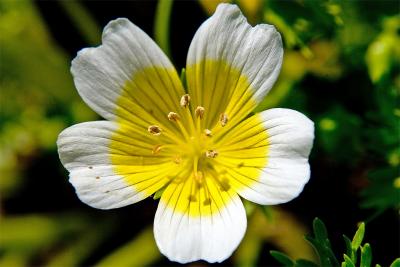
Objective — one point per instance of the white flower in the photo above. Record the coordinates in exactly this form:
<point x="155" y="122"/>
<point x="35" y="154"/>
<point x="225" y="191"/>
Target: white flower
<point x="199" y="145"/>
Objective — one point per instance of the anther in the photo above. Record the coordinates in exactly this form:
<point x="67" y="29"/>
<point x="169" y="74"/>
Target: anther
<point x="156" y="149"/>
<point x="185" y="99"/>
<point x="207" y="132"/>
<point x="199" y="112"/>
<point x="154" y="130"/>
<point x="172" y="116"/>
<point x="211" y="154"/>
<point x="223" y="119"/>
<point x="177" y="159"/>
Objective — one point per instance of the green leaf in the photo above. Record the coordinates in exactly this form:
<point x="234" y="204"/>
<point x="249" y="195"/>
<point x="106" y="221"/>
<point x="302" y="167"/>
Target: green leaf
<point x="322" y="245"/>
<point x="395" y="263"/>
<point x="349" y="249"/>
<point x="305" y="263"/>
<point x="282" y="258"/>
<point x="366" y="256"/>
<point x="161" y="25"/>
<point x="348" y="261"/>
<point x="325" y="253"/>
<point x="320" y="232"/>
<point x="358" y="237"/>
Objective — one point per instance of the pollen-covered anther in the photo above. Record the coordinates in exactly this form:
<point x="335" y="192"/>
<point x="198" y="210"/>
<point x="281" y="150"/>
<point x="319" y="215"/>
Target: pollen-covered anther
<point x="172" y="116"/>
<point x="223" y="119"/>
<point x="185" y="99"/>
<point x="211" y="154"/>
<point x="156" y="149"/>
<point x="207" y="132"/>
<point x="199" y="111"/>
<point x="154" y="130"/>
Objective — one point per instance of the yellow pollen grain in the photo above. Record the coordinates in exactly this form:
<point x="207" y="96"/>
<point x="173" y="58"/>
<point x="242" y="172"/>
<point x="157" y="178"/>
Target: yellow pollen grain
<point x="154" y="130"/>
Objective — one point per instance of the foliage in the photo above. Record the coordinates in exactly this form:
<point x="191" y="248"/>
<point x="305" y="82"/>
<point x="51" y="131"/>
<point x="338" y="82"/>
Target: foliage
<point x="356" y="253"/>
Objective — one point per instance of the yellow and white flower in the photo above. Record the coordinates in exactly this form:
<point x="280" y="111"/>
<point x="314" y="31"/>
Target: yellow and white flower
<point x="199" y="146"/>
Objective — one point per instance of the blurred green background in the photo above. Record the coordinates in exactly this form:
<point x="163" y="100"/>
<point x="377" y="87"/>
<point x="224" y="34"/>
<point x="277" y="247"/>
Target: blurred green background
<point x="341" y="68"/>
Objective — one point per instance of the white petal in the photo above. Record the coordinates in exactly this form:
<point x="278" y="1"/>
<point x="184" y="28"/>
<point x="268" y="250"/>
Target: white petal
<point x="231" y="64"/>
<point x="128" y="76"/>
<point x="190" y="235"/>
<point x="290" y="139"/>
<point x="86" y="150"/>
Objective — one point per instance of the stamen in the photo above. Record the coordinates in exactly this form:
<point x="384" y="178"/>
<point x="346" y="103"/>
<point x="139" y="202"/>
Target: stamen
<point x="156" y="149"/>
<point x="185" y="99"/>
<point x="198" y="176"/>
<point x="172" y="116"/>
<point x="199" y="112"/>
<point x="154" y="130"/>
<point x="223" y="119"/>
<point x="207" y="132"/>
<point x="177" y="159"/>
<point x="211" y="154"/>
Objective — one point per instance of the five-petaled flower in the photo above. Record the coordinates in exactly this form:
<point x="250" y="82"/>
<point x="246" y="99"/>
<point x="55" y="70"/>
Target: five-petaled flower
<point x="197" y="144"/>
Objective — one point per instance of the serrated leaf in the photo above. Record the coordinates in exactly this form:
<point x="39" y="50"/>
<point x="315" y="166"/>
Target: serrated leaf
<point x="305" y="263"/>
<point x="366" y="256"/>
<point x="358" y="237"/>
<point x="282" y="258"/>
<point x="395" y="263"/>
<point x="348" y="261"/>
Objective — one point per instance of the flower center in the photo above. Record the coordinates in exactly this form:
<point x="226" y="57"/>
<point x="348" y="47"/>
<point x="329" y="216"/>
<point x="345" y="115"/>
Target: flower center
<point x="197" y="148"/>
